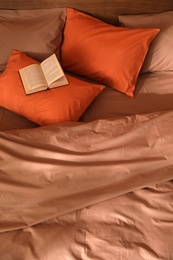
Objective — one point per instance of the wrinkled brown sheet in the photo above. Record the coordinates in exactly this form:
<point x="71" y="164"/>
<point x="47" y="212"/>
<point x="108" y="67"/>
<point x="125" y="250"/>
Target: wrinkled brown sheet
<point x="98" y="190"/>
<point x="154" y="92"/>
<point x="10" y="121"/>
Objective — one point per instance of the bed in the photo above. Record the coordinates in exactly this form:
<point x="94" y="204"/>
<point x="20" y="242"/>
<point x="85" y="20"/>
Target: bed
<point x="86" y="170"/>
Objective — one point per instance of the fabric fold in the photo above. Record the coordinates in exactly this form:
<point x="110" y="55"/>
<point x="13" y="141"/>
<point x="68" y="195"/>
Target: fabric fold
<point x="50" y="171"/>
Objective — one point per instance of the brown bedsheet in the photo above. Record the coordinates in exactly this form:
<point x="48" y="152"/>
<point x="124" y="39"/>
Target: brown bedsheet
<point x="10" y="121"/>
<point x="154" y="92"/>
<point x="98" y="190"/>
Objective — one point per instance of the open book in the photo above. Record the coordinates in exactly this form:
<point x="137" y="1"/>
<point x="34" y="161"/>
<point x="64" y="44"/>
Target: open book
<point x="46" y="75"/>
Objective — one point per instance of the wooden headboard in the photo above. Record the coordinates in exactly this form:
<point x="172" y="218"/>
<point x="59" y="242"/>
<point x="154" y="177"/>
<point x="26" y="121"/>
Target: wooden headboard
<point x="106" y="10"/>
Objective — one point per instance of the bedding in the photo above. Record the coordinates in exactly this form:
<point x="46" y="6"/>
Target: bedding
<point x="45" y="107"/>
<point x="99" y="187"/>
<point x="154" y="92"/>
<point x="160" y="55"/>
<point x="61" y="178"/>
<point x="108" y="54"/>
<point x="10" y="121"/>
<point x="37" y="32"/>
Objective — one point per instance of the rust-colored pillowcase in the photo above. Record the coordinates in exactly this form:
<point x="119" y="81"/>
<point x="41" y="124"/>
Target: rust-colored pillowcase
<point x="65" y="103"/>
<point x="37" y="33"/>
<point x="102" y="52"/>
<point x="160" y="55"/>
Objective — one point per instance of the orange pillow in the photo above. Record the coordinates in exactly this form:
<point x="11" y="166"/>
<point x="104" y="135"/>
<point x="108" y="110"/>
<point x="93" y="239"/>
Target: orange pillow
<point x="66" y="103"/>
<point x="102" y="52"/>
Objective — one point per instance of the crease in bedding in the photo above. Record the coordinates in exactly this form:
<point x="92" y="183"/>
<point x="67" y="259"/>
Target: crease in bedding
<point x="50" y="171"/>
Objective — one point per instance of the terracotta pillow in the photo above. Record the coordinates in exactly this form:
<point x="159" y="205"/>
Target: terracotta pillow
<point x="65" y="103"/>
<point x="160" y="55"/>
<point x="105" y="53"/>
<point x="37" y="33"/>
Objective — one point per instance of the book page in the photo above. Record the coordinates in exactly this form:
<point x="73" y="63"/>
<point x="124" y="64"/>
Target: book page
<point x="33" y="78"/>
<point x="60" y="82"/>
<point x="52" y="69"/>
